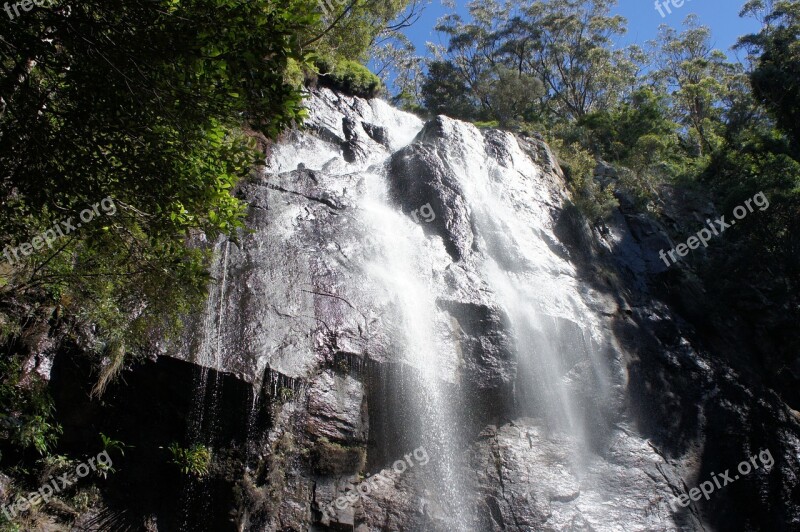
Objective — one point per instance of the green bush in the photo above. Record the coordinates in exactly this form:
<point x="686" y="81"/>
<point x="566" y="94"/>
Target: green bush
<point x="349" y="77"/>
<point x="489" y="124"/>
<point x="593" y="200"/>
<point x="26" y="410"/>
<point x="196" y="460"/>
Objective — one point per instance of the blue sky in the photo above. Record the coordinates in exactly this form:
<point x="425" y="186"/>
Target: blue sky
<point x="722" y="16"/>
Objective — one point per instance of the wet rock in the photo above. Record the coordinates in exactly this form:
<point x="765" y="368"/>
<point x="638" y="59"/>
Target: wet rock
<point x="336" y="408"/>
<point x="487" y="347"/>
<point x="580" y="400"/>
<point x="419" y="177"/>
<point x="529" y="481"/>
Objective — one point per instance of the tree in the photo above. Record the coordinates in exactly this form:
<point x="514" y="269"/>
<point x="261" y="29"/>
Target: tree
<point x="351" y="28"/>
<point x="397" y="63"/>
<point x="472" y="54"/>
<point x="696" y="76"/>
<point x="776" y="77"/>
<point x="445" y="92"/>
<point x="559" y="51"/>
<point x="512" y="96"/>
<point x="572" y="54"/>
<point x="143" y="103"/>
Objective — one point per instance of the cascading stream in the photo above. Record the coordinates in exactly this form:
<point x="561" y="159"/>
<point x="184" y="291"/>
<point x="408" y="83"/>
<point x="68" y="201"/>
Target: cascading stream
<point x="403" y="268"/>
<point x="531" y="283"/>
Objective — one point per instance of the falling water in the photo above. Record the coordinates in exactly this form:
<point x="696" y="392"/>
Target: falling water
<point x="403" y="266"/>
<point x="201" y="424"/>
<point x="399" y="273"/>
<point x="209" y="354"/>
<point x="535" y="286"/>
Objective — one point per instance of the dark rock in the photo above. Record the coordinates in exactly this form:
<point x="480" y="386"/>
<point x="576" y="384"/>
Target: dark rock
<point x="419" y="177"/>
<point x="487" y="346"/>
<point x="377" y="133"/>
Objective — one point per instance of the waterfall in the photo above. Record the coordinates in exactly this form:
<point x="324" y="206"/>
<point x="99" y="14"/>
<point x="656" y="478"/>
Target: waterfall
<point x="372" y="330"/>
<point x="405" y="267"/>
<point x="209" y="354"/>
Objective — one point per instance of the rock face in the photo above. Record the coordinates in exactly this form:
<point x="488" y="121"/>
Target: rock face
<point x="407" y="285"/>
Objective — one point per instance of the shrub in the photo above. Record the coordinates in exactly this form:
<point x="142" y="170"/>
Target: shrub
<point x="26" y="418"/>
<point x="195" y="460"/>
<point x="593" y="200"/>
<point x="285" y="394"/>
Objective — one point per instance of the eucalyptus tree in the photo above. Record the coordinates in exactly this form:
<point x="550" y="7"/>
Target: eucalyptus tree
<point x="570" y="46"/>
<point x="561" y="52"/>
<point x="776" y="76"/>
<point x="698" y="79"/>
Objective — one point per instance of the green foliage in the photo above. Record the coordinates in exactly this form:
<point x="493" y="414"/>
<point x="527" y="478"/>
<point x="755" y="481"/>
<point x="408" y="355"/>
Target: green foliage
<point x="775" y="78"/>
<point x="143" y="103"/>
<point x="26" y="409"/>
<point x="445" y="93"/>
<point x="394" y="58"/>
<point x="513" y="96"/>
<point x="353" y="31"/>
<point x="615" y="132"/>
<point x="110" y="445"/>
<point x="8" y="526"/>
<point x="86" y="498"/>
<point x="408" y="102"/>
<point x="639" y="139"/>
<point x="514" y="61"/>
<point x="348" y="77"/>
<point x="594" y="200"/>
<point x="294" y="74"/>
<point x="195" y="460"/>
<point x="349" y="29"/>
<point x="694" y="75"/>
<point x="285" y="394"/>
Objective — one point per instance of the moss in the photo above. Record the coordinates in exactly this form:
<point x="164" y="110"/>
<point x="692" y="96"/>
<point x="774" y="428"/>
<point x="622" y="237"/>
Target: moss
<point x="334" y="459"/>
<point x="285" y="394"/>
<point x="491" y="124"/>
<point x="294" y="73"/>
<point x="343" y="366"/>
<point x="349" y="77"/>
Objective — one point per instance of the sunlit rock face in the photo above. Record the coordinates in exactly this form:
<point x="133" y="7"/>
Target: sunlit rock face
<point x="412" y="285"/>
